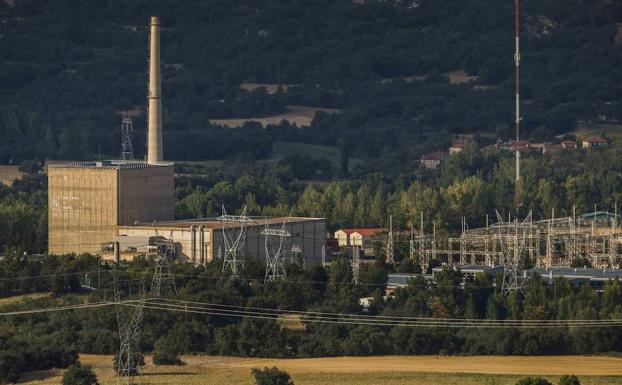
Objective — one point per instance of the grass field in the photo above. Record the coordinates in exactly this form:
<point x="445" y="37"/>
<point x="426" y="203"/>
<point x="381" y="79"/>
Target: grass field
<point x="21" y="298"/>
<point x="588" y="129"/>
<point x="8" y="174"/>
<point x="298" y="115"/>
<point x="385" y="370"/>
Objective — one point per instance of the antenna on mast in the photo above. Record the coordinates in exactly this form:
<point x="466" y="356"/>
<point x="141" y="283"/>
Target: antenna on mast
<point x="517" y="183"/>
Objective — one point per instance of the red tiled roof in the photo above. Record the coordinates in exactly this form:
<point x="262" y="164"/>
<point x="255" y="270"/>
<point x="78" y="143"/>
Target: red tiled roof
<point x="595" y="140"/>
<point x="569" y="142"/>
<point x="434" y="156"/>
<point x="366" y="232"/>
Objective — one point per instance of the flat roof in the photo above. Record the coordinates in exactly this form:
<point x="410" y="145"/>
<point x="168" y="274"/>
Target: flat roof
<point x="214" y="223"/>
<point x="578" y="272"/>
<point x="108" y="164"/>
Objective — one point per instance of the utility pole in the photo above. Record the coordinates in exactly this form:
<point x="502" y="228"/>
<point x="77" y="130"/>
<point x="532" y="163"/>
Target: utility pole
<point x="390" y="257"/>
<point x="356" y="263"/>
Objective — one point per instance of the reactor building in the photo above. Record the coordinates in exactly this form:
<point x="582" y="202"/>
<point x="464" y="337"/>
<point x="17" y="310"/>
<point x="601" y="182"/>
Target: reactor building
<point x="93" y="205"/>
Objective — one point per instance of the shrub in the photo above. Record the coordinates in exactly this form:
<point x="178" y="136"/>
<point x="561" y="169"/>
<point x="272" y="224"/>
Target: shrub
<point x="569" y="380"/>
<point x="533" y="381"/>
<point x="79" y="375"/>
<point x="271" y="376"/>
<point x="166" y="353"/>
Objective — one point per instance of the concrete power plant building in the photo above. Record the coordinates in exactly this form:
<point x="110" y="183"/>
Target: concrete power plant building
<point x="87" y="201"/>
<point x="93" y="205"/>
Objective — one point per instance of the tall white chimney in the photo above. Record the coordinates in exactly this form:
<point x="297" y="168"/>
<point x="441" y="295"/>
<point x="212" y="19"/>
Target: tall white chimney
<point x="154" y="133"/>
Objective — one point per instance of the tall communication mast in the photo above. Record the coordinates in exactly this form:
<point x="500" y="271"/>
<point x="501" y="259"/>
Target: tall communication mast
<point x="517" y="185"/>
<point x="127" y="149"/>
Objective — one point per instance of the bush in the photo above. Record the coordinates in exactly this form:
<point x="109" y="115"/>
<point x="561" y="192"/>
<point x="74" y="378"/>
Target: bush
<point x="79" y="375"/>
<point x="166" y="353"/>
<point x="533" y="381"/>
<point x="272" y="376"/>
<point x="569" y="380"/>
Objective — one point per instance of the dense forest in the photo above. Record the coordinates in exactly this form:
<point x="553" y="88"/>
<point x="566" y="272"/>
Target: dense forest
<point x="69" y="68"/>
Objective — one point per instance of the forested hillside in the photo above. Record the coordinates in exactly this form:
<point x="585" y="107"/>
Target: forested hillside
<point x="68" y="68"/>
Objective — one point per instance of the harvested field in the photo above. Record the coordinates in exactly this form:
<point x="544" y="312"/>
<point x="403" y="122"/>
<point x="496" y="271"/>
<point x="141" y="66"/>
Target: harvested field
<point x="298" y="115"/>
<point x="8" y="174"/>
<point x="392" y="370"/>
<point x="271" y="88"/>
<point x="457" y="77"/>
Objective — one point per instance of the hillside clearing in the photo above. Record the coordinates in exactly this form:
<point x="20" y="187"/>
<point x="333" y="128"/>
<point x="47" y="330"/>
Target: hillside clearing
<point x="271" y="88"/>
<point x="8" y="174"/>
<point x="298" y="115"/>
<point x="586" y="130"/>
<point x="391" y="370"/>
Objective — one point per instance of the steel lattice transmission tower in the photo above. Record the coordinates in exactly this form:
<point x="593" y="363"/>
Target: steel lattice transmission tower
<point x="275" y="252"/>
<point x="389" y="253"/>
<point x="513" y="236"/>
<point x="163" y="282"/>
<point x="356" y="263"/>
<point x="127" y="149"/>
<point x="234" y="236"/>
<point x="129" y="358"/>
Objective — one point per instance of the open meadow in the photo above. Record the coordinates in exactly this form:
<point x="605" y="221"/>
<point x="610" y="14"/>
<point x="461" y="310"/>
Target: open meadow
<point x="386" y="370"/>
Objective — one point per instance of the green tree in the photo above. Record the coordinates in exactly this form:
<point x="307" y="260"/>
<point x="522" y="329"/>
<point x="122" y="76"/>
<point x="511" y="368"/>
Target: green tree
<point x="166" y="353"/>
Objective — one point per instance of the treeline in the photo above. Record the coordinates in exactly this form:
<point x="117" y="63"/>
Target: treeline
<point x="472" y="184"/>
<point x="23" y="216"/>
<point x="315" y="289"/>
<point x="69" y="70"/>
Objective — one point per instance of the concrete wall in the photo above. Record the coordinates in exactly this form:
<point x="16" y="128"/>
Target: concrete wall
<point x="146" y="195"/>
<point x="87" y="203"/>
<point x="182" y="236"/>
<point x="309" y="235"/>
<point x="82" y="209"/>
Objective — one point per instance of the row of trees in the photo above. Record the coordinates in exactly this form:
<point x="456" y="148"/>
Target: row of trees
<point x="43" y="340"/>
<point x="472" y="184"/>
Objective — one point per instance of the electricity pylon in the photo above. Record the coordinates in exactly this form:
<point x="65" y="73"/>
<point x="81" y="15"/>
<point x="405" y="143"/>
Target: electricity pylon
<point x="275" y="251"/>
<point x="163" y="282"/>
<point x="513" y="240"/>
<point x="127" y="149"/>
<point x="129" y="358"/>
<point x="234" y="236"/>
